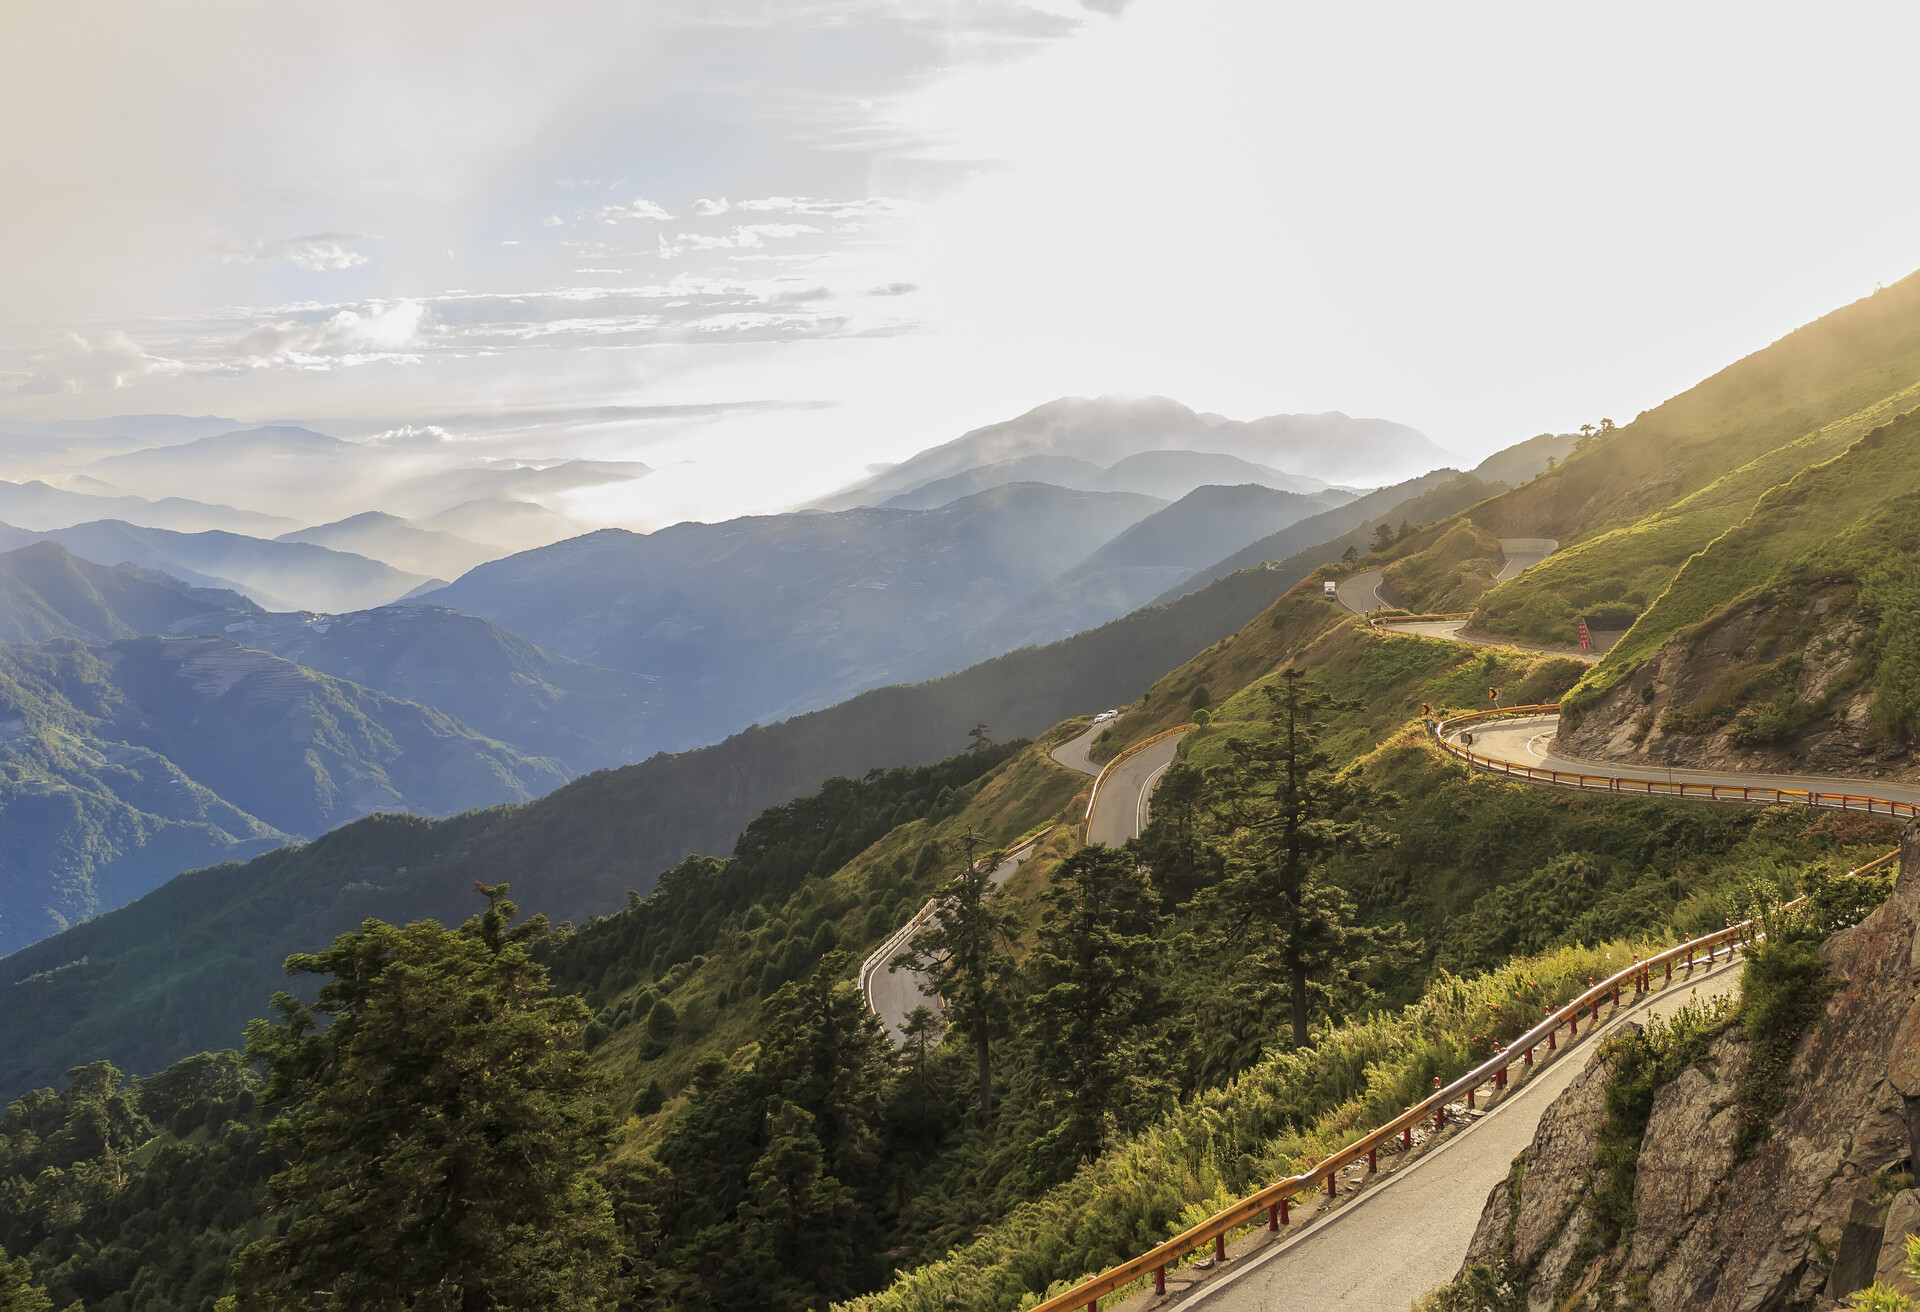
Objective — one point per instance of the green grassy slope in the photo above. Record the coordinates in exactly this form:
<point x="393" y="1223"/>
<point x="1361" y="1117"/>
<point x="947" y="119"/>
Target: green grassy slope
<point x="1799" y="528"/>
<point x="1630" y="509"/>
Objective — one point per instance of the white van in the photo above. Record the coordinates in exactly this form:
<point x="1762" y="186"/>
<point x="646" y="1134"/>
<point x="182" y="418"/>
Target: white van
<point x="1330" y="590"/>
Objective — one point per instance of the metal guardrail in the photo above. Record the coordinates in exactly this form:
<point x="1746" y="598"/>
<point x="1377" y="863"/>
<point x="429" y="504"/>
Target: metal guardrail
<point x="1274" y="1199"/>
<point x="1108" y="769"/>
<point x="1417" y="619"/>
<point x="896" y="942"/>
<point x="1759" y="795"/>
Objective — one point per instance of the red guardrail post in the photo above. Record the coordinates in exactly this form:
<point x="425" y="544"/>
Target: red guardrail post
<point x="1160" y="1282"/>
<point x="1373" y="1161"/>
<point x="1273" y="1216"/>
<point x="1220" y="1247"/>
<point x="1283" y="1212"/>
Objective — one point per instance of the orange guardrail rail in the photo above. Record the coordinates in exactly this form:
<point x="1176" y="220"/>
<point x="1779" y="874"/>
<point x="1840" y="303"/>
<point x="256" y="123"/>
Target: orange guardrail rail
<point x="1758" y="794"/>
<point x="1274" y="1199"/>
<point x="1108" y="768"/>
<point x="1417" y="619"/>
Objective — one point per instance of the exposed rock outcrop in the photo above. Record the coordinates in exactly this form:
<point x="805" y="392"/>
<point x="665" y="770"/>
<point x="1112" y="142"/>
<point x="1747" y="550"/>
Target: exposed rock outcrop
<point x="1814" y="1211"/>
<point x="1777" y="684"/>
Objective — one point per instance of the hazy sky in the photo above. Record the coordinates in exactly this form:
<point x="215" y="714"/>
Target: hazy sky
<point x="768" y="243"/>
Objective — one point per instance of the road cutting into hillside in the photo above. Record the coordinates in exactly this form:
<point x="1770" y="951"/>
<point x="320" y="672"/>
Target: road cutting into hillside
<point x="1406" y="1233"/>
<point x="1361" y="594"/>
<point x="893" y="994"/>
<point x="1529" y="741"/>
<point x="1119" y="813"/>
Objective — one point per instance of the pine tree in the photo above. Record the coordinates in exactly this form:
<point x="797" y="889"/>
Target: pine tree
<point x="1284" y="813"/>
<point x="963" y="952"/>
<point x="1094" y="1007"/>
<point x="18" y="1293"/>
<point x="443" y="1125"/>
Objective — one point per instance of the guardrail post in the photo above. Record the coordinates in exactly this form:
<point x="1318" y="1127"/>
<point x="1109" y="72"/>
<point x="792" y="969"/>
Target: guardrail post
<point x="1373" y="1161"/>
<point x="1470" y="1093"/>
<point x="1529" y="1058"/>
<point x="1159" y="1282"/>
<point x="1273" y="1216"/>
<point x="1406" y="1137"/>
<point x="1616" y="995"/>
<point x="1331" y="1185"/>
<point x="1283" y="1213"/>
<point x="1573" y="1025"/>
<point x="1220" y="1247"/>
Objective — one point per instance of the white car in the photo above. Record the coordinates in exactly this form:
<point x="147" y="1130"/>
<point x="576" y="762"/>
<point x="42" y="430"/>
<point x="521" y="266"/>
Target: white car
<point x="1104" y="716"/>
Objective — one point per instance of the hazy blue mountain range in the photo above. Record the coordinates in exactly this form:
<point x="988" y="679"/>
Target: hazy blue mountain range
<point x="398" y="542"/>
<point x="1168" y="475"/>
<point x="1418" y="500"/>
<point x="48" y="592"/>
<point x="494" y="681"/>
<point x="771" y="614"/>
<point x="294" y="471"/>
<point x="278" y="575"/>
<point x="1331" y="447"/>
<point x="491" y="679"/>
<point x="35" y="505"/>
<point x="121" y="765"/>
<point x="1140" y="563"/>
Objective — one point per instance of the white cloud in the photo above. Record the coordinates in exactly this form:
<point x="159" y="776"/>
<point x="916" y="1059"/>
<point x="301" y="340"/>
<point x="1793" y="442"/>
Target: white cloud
<point x="894" y="289"/>
<point x="639" y="208"/>
<point x="347" y="337"/>
<point x="317" y="251"/>
<point x="706" y="209"/>
<point x="552" y="221"/>
<point x="871" y="207"/>
<point x="748" y="236"/>
<point x="72" y="363"/>
<point x="409" y="435"/>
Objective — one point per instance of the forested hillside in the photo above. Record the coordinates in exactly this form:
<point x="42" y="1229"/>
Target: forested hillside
<point x="731" y="1041"/>
<point x="171" y="973"/>
<point x="120" y="765"/>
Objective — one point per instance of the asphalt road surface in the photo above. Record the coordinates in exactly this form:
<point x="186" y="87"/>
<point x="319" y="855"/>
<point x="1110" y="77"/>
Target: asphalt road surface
<point x="1408" y="1233"/>
<point x="1119" y="813"/>
<point x="1523" y="553"/>
<point x="1073" y="752"/>
<point x="1361" y="593"/>
<point x="893" y="994"/>
<point x="1529" y="740"/>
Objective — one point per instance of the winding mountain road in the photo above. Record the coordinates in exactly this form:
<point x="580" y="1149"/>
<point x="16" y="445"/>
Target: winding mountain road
<point x="1404" y="1234"/>
<point x="1119" y="813"/>
<point x="1362" y="594"/>
<point x="1529" y="740"/>
<point x="893" y="994"/>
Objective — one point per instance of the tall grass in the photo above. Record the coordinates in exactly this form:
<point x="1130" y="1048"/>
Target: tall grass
<point x="1280" y="1117"/>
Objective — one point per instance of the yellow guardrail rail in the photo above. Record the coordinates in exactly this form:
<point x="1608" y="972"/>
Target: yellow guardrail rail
<point x="1108" y="769"/>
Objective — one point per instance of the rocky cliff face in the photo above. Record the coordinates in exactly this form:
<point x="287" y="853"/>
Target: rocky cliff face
<point x="1779" y="684"/>
<point x="1818" y="1209"/>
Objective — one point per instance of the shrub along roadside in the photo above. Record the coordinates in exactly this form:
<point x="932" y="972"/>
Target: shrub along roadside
<point x="1285" y="1113"/>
